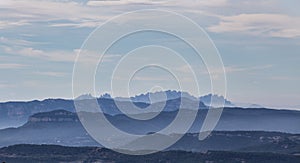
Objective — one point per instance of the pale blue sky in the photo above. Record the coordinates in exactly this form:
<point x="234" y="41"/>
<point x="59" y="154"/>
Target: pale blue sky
<point x="259" y="42"/>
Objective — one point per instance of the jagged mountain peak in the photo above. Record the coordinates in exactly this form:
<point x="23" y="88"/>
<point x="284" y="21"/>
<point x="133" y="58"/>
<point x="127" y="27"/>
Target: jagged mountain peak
<point x="216" y="100"/>
<point x="85" y="97"/>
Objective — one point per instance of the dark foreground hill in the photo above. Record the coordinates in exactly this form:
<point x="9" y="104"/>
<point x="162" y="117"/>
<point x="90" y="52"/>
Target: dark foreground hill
<point x="51" y="153"/>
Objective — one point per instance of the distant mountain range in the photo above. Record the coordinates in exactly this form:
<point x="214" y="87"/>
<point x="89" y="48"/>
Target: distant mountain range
<point x="13" y="114"/>
<point x="16" y="113"/>
<point x="55" y="121"/>
<point x="63" y="128"/>
<point x="154" y="97"/>
<point x="216" y="101"/>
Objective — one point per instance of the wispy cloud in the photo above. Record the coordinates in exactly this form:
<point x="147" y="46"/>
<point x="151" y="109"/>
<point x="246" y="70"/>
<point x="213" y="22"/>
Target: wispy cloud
<point x="51" y="73"/>
<point x="285" y="78"/>
<point x="60" y="56"/>
<point x="227" y="69"/>
<point x="190" y="3"/>
<point x="232" y="69"/>
<point x="94" y="12"/>
<point x="274" y="25"/>
<point x="17" y="42"/>
<point x="12" y="66"/>
<point x="91" y="14"/>
<point x="6" y="85"/>
<point x="123" y="2"/>
<point x="145" y="78"/>
<point x="57" y="56"/>
<point x="24" y="12"/>
<point x="4" y="24"/>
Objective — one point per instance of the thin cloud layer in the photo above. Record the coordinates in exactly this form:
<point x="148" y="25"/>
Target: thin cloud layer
<point x="90" y="14"/>
<point x="258" y="41"/>
<point x="274" y="25"/>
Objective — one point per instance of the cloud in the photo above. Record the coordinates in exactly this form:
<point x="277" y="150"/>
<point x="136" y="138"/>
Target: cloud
<point x="61" y="56"/>
<point x="123" y="2"/>
<point x="232" y="69"/>
<point x="4" y="24"/>
<point x="17" y="42"/>
<point x="285" y="78"/>
<point x="58" y="55"/>
<point x="12" y="66"/>
<point x="6" y="85"/>
<point x="274" y="25"/>
<point x="66" y="13"/>
<point x="51" y="73"/>
<point x="199" y="3"/>
<point x="215" y="73"/>
<point x="144" y="78"/>
<point x="227" y="69"/>
<point x="189" y="3"/>
<point x="88" y="24"/>
<point x="24" y="12"/>
<point x="259" y="20"/>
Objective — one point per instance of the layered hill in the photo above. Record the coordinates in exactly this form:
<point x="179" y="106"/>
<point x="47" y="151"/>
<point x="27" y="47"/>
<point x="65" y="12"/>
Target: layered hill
<point x="64" y="128"/>
<point x="14" y="114"/>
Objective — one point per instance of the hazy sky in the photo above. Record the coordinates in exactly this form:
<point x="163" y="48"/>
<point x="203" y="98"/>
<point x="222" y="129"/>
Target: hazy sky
<point x="259" y="42"/>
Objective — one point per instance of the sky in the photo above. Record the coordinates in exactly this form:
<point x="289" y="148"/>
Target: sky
<point x="258" y="41"/>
